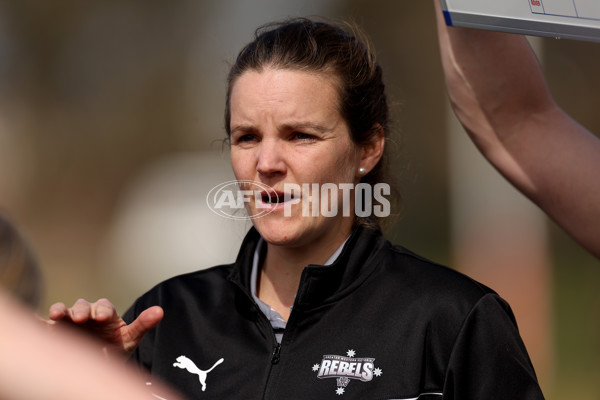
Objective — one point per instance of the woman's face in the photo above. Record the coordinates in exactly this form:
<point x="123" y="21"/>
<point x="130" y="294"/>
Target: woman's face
<point x="286" y="129"/>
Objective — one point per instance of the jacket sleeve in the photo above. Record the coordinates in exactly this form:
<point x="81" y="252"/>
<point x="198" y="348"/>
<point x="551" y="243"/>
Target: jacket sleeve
<point x="488" y="359"/>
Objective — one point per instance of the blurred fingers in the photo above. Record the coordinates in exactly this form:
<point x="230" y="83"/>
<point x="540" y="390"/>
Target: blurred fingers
<point x="81" y="311"/>
<point x="57" y="311"/>
<point x="103" y="310"/>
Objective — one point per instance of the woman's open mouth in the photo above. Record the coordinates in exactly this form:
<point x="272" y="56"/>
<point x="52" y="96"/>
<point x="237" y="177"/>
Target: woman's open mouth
<point x="277" y="199"/>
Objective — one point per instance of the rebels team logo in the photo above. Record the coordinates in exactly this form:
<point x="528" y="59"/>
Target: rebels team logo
<point x="345" y="368"/>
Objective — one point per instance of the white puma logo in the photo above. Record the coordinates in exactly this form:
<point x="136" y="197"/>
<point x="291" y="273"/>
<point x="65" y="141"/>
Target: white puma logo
<point x="185" y="363"/>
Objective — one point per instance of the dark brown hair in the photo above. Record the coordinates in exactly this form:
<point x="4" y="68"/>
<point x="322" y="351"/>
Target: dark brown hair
<point x="307" y="45"/>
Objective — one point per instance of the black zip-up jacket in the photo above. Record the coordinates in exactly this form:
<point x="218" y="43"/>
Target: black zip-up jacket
<point x="379" y="323"/>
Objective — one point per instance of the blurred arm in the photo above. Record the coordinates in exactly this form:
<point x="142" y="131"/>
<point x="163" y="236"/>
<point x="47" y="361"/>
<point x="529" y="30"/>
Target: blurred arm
<point x="45" y="364"/>
<point x="498" y="93"/>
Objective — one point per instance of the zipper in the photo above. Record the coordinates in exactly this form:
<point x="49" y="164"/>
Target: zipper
<point x="275" y="358"/>
<point x="276" y="354"/>
<point x="275" y="372"/>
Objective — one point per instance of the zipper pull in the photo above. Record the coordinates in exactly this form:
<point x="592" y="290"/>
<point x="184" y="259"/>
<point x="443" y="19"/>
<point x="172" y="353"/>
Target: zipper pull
<point x="275" y="357"/>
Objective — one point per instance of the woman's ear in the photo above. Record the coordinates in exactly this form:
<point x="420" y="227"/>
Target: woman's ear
<point x="371" y="152"/>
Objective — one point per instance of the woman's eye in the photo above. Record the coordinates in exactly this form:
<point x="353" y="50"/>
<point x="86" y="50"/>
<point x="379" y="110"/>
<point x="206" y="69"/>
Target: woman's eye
<point x="303" y="136"/>
<point x="246" y="138"/>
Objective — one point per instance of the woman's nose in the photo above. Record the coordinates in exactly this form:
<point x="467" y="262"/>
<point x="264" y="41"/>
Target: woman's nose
<point x="271" y="158"/>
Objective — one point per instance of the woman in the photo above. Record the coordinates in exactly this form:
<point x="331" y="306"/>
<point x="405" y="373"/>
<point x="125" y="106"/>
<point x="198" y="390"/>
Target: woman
<point x="317" y="306"/>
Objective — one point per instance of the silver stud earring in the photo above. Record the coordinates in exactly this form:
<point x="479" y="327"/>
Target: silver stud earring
<point x="362" y="171"/>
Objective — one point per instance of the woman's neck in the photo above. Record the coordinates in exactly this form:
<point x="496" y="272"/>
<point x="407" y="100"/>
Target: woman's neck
<point x="282" y="268"/>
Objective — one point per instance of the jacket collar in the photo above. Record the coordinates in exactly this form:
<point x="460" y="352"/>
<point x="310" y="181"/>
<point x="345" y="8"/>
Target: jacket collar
<point x="320" y="284"/>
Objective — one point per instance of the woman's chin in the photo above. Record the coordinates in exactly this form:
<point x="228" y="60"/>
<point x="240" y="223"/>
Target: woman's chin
<point x="278" y="233"/>
<point x="279" y="238"/>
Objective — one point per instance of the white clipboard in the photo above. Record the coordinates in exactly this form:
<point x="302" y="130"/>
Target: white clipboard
<point x="566" y="19"/>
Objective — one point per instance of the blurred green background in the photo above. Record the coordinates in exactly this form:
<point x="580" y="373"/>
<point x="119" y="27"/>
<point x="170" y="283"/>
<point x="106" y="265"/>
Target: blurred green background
<point x="111" y="136"/>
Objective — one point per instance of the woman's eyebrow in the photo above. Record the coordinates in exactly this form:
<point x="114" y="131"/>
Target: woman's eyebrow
<point x="242" y="128"/>
<point x="288" y="126"/>
<point x="305" y="125"/>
